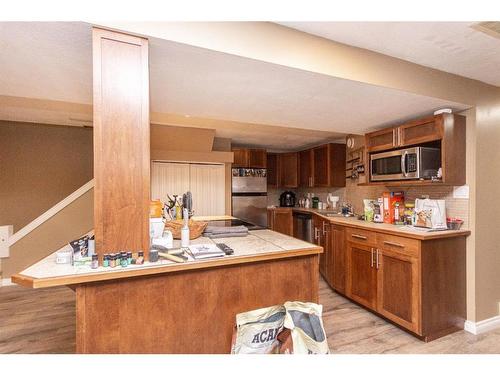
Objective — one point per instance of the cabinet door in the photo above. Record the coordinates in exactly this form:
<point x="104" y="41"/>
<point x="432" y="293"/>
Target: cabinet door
<point x="381" y="140"/>
<point x="288" y="170"/>
<point x="282" y="221"/>
<point x="337" y="258"/>
<point x="257" y="158"/>
<point x="306" y="168"/>
<point x="318" y="239"/>
<point x="272" y="170"/>
<point x="362" y="274"/>
<point x="398" y="289"/>
<point x="321" y="163"/>
<point x="240" y="158"/>
<point x="426" y="130"/>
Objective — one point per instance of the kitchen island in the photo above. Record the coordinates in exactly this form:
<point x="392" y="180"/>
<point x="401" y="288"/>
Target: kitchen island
<point x="168" y="307"/>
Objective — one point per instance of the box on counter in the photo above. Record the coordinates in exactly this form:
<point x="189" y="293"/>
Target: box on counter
<point x="390" y="199"/>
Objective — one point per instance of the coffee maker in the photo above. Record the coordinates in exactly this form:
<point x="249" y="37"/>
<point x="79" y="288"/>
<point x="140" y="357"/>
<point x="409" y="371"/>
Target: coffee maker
<point x="287" y="199"/>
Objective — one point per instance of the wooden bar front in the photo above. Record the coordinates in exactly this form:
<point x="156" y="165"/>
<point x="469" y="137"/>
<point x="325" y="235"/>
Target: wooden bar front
<point x="188" y="311"/>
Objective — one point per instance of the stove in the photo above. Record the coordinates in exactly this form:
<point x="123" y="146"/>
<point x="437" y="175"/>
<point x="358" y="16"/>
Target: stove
<point x="233" y="223"/>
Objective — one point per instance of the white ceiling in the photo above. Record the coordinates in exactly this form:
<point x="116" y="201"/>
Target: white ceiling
<point x="452" y="47"/>
<point x="54" y="61"/>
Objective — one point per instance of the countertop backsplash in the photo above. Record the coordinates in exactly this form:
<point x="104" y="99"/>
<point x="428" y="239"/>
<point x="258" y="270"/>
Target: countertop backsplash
<point x="354" y="194"/>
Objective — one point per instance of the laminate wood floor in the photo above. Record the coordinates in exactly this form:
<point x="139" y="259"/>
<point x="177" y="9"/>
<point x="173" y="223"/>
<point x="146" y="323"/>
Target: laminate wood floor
<point x="43" y="321"/>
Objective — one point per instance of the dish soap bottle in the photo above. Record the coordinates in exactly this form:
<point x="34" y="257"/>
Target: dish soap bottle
<point x="185" y="230"/>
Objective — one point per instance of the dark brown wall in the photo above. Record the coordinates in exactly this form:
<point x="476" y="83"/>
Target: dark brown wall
<point x="39" y="166"/>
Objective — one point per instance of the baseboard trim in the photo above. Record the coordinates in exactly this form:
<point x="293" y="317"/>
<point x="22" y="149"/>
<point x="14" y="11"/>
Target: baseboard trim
<point x="6" y="282"/>
<point x="482" y="326"/>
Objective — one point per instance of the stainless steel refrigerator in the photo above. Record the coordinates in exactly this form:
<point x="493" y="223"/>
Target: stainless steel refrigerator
<point x="249" y="195"/>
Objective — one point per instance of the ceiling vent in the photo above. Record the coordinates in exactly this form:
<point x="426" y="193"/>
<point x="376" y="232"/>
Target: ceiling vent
<point x="491" y="28"/>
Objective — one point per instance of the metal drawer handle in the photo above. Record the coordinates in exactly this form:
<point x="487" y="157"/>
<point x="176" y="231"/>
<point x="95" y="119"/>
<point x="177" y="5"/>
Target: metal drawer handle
<point x="394" y="244"/>
<point x="371" y="263"/>
<point x="358" y="236"/>
<point x="377" y="259"/>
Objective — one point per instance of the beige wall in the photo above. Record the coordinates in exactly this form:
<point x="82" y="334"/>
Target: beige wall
<point x="487" y="219"/>
<point x="40" y="165"/>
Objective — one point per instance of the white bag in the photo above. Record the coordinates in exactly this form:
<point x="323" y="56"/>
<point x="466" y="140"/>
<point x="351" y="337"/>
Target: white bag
<point x="256" y="331"/>
<point x="307" y="333"/>
<point x="430" y="213"/>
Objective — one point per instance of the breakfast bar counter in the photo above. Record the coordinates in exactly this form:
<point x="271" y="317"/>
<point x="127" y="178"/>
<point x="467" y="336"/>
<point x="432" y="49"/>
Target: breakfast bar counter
<point x="167" y="307"/>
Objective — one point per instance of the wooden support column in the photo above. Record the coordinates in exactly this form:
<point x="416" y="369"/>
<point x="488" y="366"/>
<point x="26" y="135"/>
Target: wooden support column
<point x="121" y="142"/>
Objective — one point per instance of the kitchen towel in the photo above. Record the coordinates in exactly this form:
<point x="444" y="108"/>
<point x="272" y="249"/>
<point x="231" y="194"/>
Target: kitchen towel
<point x="221" y="232"/>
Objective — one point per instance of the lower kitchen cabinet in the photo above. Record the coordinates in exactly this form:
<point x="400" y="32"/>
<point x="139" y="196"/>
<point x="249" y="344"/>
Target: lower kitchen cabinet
<point x="320" y="238"/>
<point x="337" y="258"/>
<point x="417" y="284"/>
<point x="398" y="288"/>
<point x="361" y="274"/>
<point x="280" y="219"/>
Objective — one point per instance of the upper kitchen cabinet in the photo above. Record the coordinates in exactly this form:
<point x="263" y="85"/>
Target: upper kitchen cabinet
<point x="329" y="163"/>
<point x="380" y="140"/>
<point x="257" y="158"/>
<point x="240" y="157"/>
<point x="249" y="158"/>
<point x="272" y="170"/>
<point x="306" y="166"/>
<point x="420" y="131"/>
<point x="323" y="166"/>
<point x="288" y="170"/>
<point x="418" y="150"/>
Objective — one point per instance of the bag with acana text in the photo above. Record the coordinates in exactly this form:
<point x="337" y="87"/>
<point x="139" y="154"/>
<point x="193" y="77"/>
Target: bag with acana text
<point x="303" y="331"/>
<point x="256" y="331"/>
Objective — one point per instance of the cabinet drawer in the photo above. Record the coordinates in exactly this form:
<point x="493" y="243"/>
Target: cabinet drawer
<point x="402" y="245"/>
<point x="360" y="236"/>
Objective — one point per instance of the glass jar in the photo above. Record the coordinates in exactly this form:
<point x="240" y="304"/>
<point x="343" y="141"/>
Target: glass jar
<point x="95" y="262"/>
<point x="105" y="260"/>
<point x="409" y="213"/>
<point x="140" y="258"/>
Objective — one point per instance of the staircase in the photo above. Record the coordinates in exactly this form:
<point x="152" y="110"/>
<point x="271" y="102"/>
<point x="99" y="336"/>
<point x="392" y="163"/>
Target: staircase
<point x="67" y="220"/>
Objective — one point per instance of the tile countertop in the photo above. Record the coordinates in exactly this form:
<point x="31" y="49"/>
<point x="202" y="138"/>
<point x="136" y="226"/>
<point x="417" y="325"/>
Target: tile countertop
<point x="258" y="245"/>
<point x="398" y="230"/>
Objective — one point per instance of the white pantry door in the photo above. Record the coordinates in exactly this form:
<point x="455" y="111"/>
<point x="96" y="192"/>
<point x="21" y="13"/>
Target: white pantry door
<point x="169" y="178"/>
<point x="208" y="188"/>
<point x="205" y="181"/>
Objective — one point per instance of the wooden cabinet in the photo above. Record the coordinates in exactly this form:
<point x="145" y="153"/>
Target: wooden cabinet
<point x="408" y="280"/>
<point x="337" y="258"/>
<point x="398" y="288"/>
<point x="321" y="237"/>
<point x="362" y="274"/>
<point x="306" y="168"/>
<point x="321" y="163"/>
<point x="380" y="140"/>
<point x="323" y="166"/>
<point x="445" y="131"/>
<point x="240" y="157"/>
<point x="257" y="158"/>
<point x="249" y="158"/>
<point x="280" y="219"/>
<point x="272" y="170"/>
<point x="288" y="170"/>
<point x="420" y="131"/>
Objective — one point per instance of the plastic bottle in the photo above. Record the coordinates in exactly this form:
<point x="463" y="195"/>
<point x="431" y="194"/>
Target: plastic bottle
<point x="185" y="230"/>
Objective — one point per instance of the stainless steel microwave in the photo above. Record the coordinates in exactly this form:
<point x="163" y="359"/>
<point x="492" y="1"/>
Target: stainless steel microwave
<point x="406" y="164"/>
